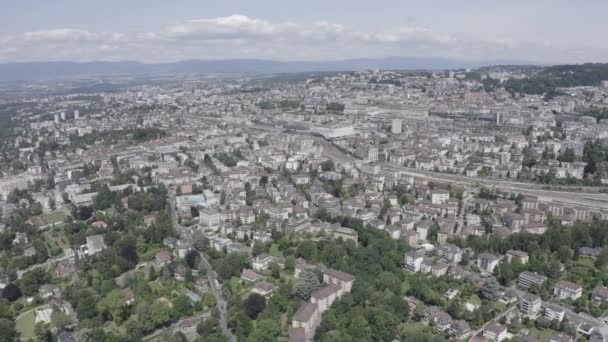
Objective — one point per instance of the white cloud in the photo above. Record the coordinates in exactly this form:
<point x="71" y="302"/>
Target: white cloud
<point x="232" y="27"/>
<point x="61" y="36"/>
<point x="406" y="35"/>
<point x="240" y="36"/>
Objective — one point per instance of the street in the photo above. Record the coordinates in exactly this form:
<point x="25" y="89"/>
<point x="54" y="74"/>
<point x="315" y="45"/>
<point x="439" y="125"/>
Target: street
<point x="216" y="287"/>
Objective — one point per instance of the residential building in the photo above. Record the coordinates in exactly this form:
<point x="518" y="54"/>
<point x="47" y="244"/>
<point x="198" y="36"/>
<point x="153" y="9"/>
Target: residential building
<point x="495" y="332"/>
<point x="413" y="261"/>
<point x="530" y="305"/>
<point x="565" y="289"/>
<point x="449" y="252"/>
<point x="553" y="312"/>
<point x="521" y="256"/>
<point x="527" y="279"/>
<point x="487" y="262"/>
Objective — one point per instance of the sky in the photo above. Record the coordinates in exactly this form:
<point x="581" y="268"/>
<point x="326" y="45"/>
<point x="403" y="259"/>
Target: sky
<point x="152" y="31"/>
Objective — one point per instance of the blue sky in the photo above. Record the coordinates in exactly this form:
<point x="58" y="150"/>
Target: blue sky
<point x="549" y="31"/>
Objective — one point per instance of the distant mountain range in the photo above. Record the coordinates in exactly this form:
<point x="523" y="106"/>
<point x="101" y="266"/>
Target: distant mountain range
<point x="55" y="70"/>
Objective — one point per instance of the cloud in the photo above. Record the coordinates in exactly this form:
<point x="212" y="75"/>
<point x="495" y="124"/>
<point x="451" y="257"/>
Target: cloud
<point x="238" y="36"/>
<point x="407" y="35"/>
<point x="60" y="35"/>
<point x="231" y="27"/>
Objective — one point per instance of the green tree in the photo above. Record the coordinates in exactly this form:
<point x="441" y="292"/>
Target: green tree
<point x="254" y="304"/>
<point x="113" y="304"/>
<point x="178" y="337"/>
<point x="490" y="289"/>
<point x="266" y="330"/>
<point x="209" y="300"/>
<point x="59" y="320"/>
<point x="7" y="330"/>
<point x="306" y="284"/>
<point x="359" y="327"/>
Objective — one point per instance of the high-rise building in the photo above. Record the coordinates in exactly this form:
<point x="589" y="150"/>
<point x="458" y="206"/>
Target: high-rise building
<point x="76" y="115"/>
<point x="62" y="116"/>
<point x="396" y="126"/>
<point x="56" y="118"/>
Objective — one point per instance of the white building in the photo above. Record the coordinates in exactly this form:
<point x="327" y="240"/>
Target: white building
<point x="209" y="217"/>
<point x="439" y="196"/>
<point x="396" y="126"/>
<point x="566" y="289"/>
<point x="413" y="261"/>
<point x="487" y="262"/>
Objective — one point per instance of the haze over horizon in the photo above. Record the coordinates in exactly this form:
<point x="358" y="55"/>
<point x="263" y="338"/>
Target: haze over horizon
<point x="158" y="31"/>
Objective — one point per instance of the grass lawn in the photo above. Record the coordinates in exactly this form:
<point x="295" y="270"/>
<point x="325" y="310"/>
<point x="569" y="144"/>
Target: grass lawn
<point x="500" y="306"/>
<point x="25" y="324"/>
<point x="235" y="284"/>
<point x="588" y="262"/>
<point x="414" y="329"/>
<point x="115" y="329"/>
<point x="156" y="286"/>
<point x="475" y="300"/>
<point x="274" y="250"/>
<point x="54" y="217"/>
<point x="55" y="238"/>
<point x="405" y="286"/>
<point x="542" y="335"/>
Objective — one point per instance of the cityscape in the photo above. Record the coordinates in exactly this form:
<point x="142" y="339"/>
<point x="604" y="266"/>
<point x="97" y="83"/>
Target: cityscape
<point x="344" y="198"/>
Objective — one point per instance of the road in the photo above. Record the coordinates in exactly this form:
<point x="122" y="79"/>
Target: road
<point x="573" y="316"/>
<point x="495" y="319"/>
<point x="205" y="266"/>
<point x="179" y="322"/>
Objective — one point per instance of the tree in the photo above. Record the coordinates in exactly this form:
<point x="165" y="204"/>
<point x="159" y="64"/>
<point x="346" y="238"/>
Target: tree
<point x="306" y="250"/>
<point x="263" y="181"/>
<point x="7" y="330"/>
<point x="243" y="325"/>
<point x="307" y="283"/>
<point x="59" y="320"/>
<point x="327" y="165"/>
<point x="490" y="289"/>
<point x="554" y="269"/>
<point x="11" y="292"/>
<point x="564" y="253"/>
<point x="113" y="304"/>
<point x="568" y="155"/>
<point x="359" y="327"/>
<point x="192" y="259"/>
<point x="602" y="259"/>
<point x="505" y="273"/>
<point x="209" y="300"/>
<point x="178" y="337"/>
<point x="183" y="305"/>
<point x="275" y="270"/>
<point x="42" y="332"/>
<point x="258" y="248"/>
<point x="32" y="280"/>
<point x="254" y="304"/>
<point x="266" y="330"/>
<point x="230" y="265"/>
<point x="382" y="323"/>
<point x="83" y="213"/>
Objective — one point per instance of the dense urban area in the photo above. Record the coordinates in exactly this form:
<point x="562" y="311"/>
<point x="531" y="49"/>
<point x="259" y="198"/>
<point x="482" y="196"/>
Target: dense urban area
<point x="456" y="205"/>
